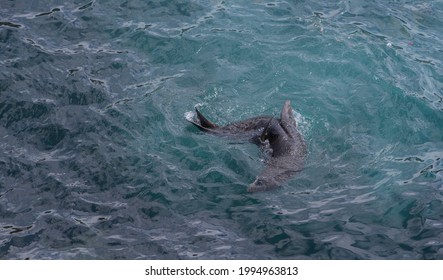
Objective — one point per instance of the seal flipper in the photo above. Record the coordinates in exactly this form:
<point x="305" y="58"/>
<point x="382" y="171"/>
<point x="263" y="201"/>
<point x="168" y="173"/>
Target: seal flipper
<point x="277" y="171"/>
<point x="287" y="120"/>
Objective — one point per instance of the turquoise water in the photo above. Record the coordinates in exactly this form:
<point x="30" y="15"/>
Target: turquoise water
<point x="97" y="160"/>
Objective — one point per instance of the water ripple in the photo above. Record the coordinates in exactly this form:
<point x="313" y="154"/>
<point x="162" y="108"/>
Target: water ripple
<point x="98" y="162"/>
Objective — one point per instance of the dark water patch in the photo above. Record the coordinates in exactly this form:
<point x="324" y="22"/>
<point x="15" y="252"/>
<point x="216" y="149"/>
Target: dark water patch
<point x="433" y="252"/>
<point x="78" y="235"/>
<point x="85" y="6"/>
<point x="12" y="113"/>
<point x="379" y="244"/>
<point x="15" y="168"/>
<point x="435" y="210"/>
<point x="5" y="192"/>
<point x="54" y="10"/>
<point x="48" y="136"/>
<point x="14" y="229"/>
<point x="63" y="232"/>
<point x="342" y="254"/>
<point x="51" y="188"/>
<point x="16" y="243"/>
<point x="155" y="211"/>
<point x="6" y="214"/>
<point x="10" y="24"/>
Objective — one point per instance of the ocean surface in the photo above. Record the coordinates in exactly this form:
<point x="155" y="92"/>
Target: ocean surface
<point x="97" y="160"/>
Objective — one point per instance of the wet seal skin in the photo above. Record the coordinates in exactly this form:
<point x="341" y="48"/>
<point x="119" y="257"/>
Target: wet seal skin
<point x="278" y="137"/>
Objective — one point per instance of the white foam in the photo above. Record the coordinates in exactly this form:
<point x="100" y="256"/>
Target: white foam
<point x="189" y="115"/>
<point x="303" y="124"/>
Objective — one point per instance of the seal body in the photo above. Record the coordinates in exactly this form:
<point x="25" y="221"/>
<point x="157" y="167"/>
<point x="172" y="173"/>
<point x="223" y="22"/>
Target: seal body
<point x="280" y="135"/>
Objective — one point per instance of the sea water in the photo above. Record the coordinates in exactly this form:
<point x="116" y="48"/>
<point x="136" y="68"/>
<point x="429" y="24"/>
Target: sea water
<point x="97" y="160"/>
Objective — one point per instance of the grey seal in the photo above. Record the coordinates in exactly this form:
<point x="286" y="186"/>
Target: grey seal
<point x="278" y="137"/>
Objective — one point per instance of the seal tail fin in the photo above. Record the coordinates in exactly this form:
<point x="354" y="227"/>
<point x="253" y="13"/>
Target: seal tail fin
<point x="204" y="122"/>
